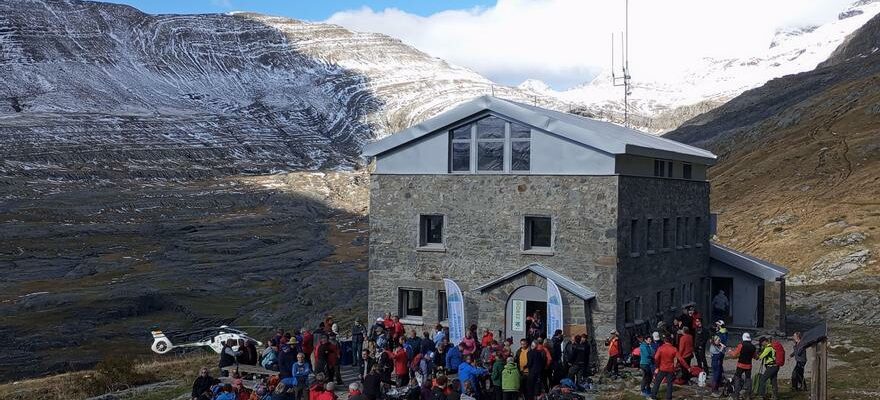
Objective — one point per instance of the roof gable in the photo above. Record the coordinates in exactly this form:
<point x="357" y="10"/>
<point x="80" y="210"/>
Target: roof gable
<point x="746" y="263"/>
<point x="546" y="273"/>
<point x="604" y="136"/>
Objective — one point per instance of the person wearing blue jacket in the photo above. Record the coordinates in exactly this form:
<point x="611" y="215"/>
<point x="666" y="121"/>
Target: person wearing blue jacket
<point x="467" y="372"/>
<point x="646" y="363"/>
<point x="299" y="376"/>
<point x="453" y="359"/>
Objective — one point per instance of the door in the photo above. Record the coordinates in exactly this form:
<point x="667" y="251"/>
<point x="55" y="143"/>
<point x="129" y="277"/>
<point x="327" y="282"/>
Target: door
<point x="520" y="305"/>
<point x="722" y="288"/>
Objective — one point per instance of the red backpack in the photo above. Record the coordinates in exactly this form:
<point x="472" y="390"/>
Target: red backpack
<point x="780" y="353"/>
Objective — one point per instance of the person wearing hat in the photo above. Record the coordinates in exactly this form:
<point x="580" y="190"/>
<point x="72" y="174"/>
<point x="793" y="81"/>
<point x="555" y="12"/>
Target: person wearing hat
<point x="613" y="342"/>
<point x="721" y="331"/>
<point x="744" y="353"/>
<point x="286" y="359"/>
<point x="767" y="356"/>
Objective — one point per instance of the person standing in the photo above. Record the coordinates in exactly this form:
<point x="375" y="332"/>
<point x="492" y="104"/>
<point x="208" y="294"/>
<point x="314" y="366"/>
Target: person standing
<point x="535" y="366"/>
<point x="799" y="353"/>
<point x="521" y="357"/>
<point x="578" y="356"/>
<point x="497" y="376"/>
<point x="767" y="356"/>
<point x="453" y="358"/>
<point x="300" y="372"/>
<point x="720" y="304"/>
<point x="229" y="356"/>
<point x="469" y="374"/>
<point x="716" y="349"/>
<point x="701" y="337"/>
<point x="667" y="360"/>
<point x="510" y="380"/>
<point x="744" y="353"/>
<point x="646" y="364"/>
<point x="373" y="383"/>
<point x="399" y="356"/>
<point x="686" y="346"/>
<point x="613" y="343"/>
<point x="358" y="334"/>
<point x="558" y="369"/>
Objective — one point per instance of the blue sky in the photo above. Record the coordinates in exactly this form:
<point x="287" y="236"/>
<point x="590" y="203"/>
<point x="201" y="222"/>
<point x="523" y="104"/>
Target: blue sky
<point x="312" y="10"/>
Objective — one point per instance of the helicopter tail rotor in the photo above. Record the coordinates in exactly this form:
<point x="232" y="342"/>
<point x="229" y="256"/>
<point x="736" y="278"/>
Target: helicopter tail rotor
<point x="161" y="343"/>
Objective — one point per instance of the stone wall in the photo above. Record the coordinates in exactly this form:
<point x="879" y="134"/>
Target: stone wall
<point x="644" y="272"/>
<point x="774" y="305"/>
<point x="483" y="238"/>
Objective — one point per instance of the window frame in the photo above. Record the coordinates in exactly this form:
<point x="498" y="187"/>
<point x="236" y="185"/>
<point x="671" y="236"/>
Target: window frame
<point x="424" y="245"/>
<point x="634" y="248"/>
<point x="403" y="307"/>
<point x="509" y="147"/>
<point x="525" y="244"/>
<point x="666" y="242"/>
<point x="650" y="244"/>
<point x="698" y="231"/>
<point x="687" y="232"/>
<point x="471" y="147"/>
<point x="442" y="306"/>
<point x="687" y="171"/>
<point x="678" y="232"/>
<point x="505" y="136"/>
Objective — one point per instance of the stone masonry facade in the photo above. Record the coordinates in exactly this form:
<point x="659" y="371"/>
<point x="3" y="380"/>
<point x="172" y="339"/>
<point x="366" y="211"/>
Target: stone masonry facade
<point x="483" y="240"/>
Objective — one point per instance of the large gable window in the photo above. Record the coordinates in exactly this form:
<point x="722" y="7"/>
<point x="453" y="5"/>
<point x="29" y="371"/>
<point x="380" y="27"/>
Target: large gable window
<point x="490" y="145"/>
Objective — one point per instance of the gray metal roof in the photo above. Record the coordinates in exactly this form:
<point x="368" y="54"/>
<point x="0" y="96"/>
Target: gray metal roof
<point x="746" y="263"/>
<point x="547" y="273"/>
<point x="603" y="136"/>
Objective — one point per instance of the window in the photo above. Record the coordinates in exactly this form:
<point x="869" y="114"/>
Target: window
<point x="687" y="171"/>
<point x="658" y="305"/>
<point x="649" y="242"/>
<point x="638" y="308"/>
<point x="687" y="232"/>
<point x="460" y="149"/>
<point x="678" y="232"/>
<point x="442" y="310"/>
<point x="669" y="169"/>
<point x="659" y="166"/>
<point x="628" y="312"/>
<point x="671" y="297"/>
<point x="430" y="230"/>
<point x="537" y="233"/>
<point x="520" y="147"/>
<point x="490" y="144"/>
<point x="667" y="233"/>
<point x="698" y="231"/>
<point x="410" y="302"/>
<point x="634" y="237"/>
<point x="691" y="295"/>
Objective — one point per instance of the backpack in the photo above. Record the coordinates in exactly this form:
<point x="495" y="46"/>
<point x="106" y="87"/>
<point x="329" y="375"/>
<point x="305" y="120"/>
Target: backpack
<point x="780" y="353"/>
<point x="414" y="364"/>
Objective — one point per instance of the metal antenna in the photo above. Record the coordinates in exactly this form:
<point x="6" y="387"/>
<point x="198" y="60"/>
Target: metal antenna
<point x="624" y="79"/>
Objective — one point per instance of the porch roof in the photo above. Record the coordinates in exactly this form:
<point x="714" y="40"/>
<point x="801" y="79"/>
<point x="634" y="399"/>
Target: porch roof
<point x="746" y="263"/>
<point x="546" y="273"/>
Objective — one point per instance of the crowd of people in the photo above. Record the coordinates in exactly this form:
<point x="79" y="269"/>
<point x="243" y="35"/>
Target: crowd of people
<point x="392" y="363"/>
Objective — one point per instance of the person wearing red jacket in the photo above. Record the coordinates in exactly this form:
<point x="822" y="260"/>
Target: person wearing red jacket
<point x="308" y="344"/>
<point x="387" y="322"/>
<point x="488" y="337"/>
<point x="329" y="392"/>
<point x="686" y="346"/>
<point x="397" y="329"/>
<point x="613" y="344"/>
<point x="667" y="359"/>
<point x="399" y="357"/>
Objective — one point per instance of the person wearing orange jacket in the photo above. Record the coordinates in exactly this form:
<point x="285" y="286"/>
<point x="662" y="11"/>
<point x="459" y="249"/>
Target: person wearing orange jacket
<point x="686" y="346"/>
<point x="613" y="343"/>
<point x="667" y="360"/>
<point x="488" y="337"/>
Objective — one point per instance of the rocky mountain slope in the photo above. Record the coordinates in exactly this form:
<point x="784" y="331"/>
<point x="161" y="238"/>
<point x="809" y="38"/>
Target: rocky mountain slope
<point x="92" y="89"/>
<point x="797" y="181"/>
<point x="663" y="102"/>
<point x="134" y="171"/>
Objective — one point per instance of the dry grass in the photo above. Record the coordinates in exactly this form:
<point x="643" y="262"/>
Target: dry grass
<point x="111" y="375"/>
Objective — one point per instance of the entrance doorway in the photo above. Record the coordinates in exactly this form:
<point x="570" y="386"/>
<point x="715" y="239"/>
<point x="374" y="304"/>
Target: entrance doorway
<point x="521" y="304"/>
<point x="722" y="288"/>
<point x="539" y="307"/>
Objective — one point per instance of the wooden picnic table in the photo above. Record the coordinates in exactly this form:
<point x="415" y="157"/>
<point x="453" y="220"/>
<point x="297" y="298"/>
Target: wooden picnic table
<point x="250" y="370"/>
<point x="247" y="383"/>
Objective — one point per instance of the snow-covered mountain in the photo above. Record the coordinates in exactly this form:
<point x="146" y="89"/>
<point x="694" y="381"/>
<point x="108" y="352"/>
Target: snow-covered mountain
<point x="714" y="81"/>
<point x="95" y="89"/>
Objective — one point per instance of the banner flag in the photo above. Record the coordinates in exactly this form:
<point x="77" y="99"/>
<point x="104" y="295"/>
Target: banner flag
<point x="554" y="308"/>
<point x="455" y="309"/>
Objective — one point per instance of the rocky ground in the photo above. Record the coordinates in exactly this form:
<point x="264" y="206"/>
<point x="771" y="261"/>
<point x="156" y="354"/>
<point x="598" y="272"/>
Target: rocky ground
<point x="87" y="268"/>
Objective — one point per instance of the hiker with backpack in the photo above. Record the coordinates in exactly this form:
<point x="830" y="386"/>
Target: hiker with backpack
<point x="497" y="373"/>
<point x="767" y="356"/>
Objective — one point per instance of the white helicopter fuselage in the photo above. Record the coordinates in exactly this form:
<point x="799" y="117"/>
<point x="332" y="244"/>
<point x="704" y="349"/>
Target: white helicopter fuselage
<point x="162" y="344"/>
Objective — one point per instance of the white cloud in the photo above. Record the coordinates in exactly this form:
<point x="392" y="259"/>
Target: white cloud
<point x="565" y="42"/>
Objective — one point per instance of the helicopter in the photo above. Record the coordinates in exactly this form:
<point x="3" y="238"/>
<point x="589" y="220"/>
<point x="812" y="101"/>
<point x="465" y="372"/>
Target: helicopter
<point x="208" y="337"/>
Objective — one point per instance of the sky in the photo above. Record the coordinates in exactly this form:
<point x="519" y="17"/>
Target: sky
<point x="561" y="42"/>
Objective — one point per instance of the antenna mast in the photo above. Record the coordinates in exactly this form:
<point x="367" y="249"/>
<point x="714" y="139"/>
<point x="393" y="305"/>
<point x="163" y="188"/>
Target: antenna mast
<point x="624" y="78"/>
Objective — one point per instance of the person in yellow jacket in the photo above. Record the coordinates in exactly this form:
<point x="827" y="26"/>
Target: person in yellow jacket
<point x="767" y="356"/>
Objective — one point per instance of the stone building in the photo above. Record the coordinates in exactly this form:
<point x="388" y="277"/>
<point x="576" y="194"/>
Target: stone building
<point x="501" y="196"/>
